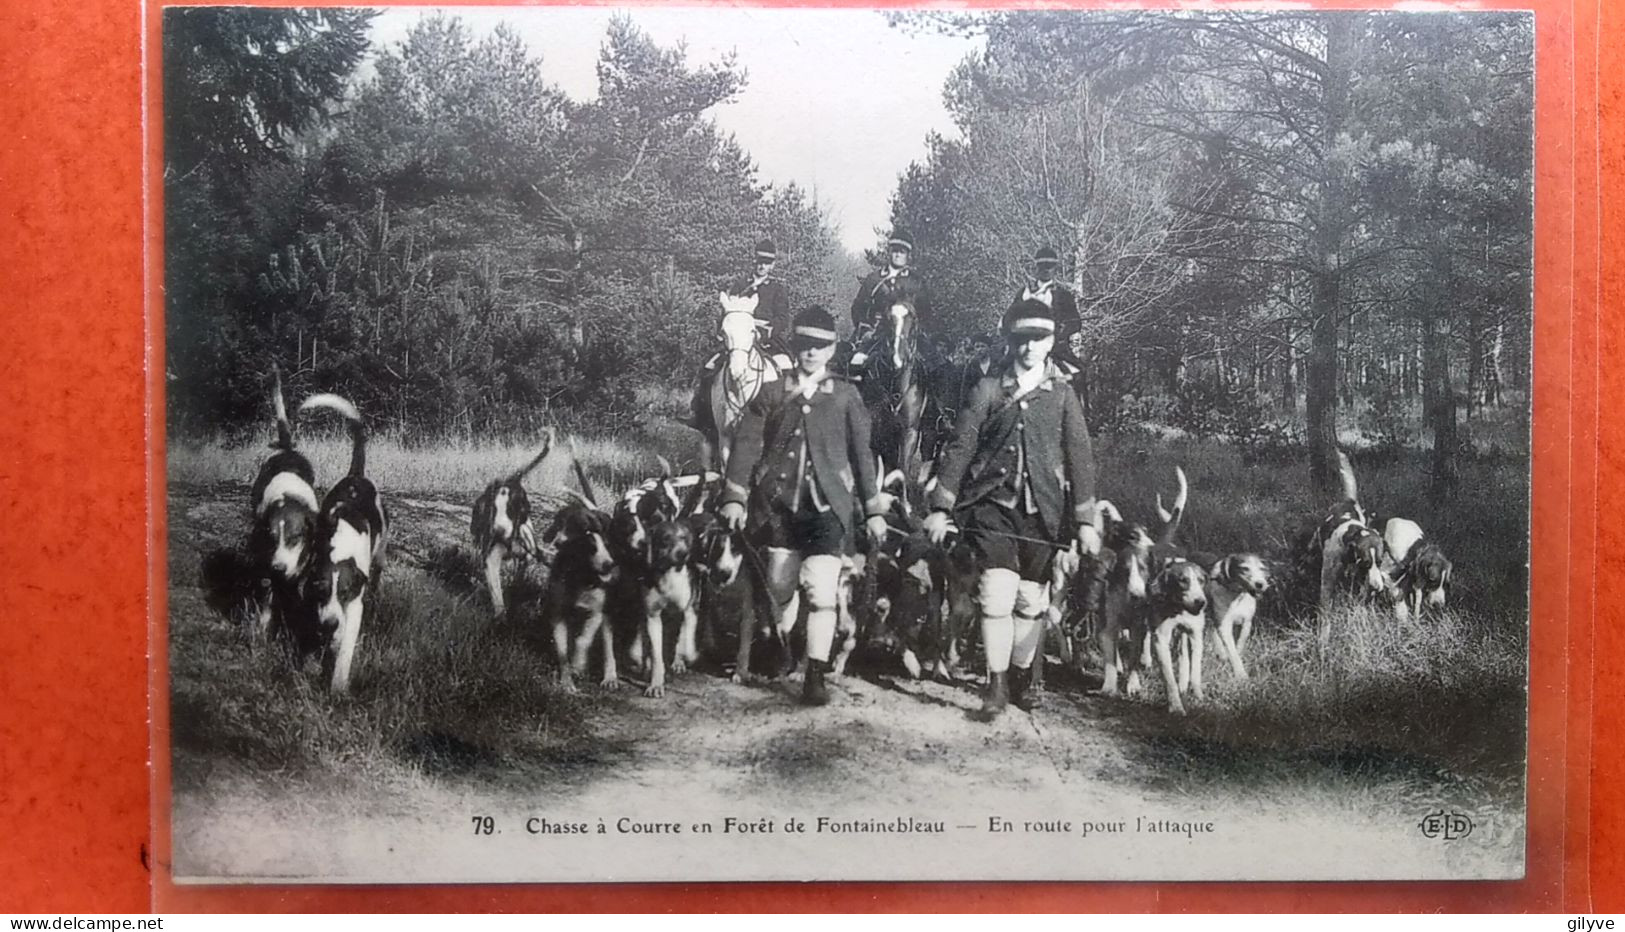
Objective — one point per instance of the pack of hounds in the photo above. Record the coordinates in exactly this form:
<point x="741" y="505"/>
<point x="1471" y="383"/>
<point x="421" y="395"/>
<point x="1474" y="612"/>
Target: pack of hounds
<point x="620" y="571"/>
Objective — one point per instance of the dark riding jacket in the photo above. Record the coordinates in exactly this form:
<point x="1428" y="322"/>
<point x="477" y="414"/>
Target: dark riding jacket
<point x="768" y="448"/>
<point x="876" y="295"/>
<point x="995" y="433"/>
<point x="1063" y="302"/>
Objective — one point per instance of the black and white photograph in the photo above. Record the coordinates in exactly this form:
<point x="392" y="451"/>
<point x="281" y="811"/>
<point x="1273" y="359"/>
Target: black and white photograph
<point x="736" y="444"/>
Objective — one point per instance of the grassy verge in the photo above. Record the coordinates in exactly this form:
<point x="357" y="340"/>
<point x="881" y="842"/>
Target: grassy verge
<point x="442" y="689"/>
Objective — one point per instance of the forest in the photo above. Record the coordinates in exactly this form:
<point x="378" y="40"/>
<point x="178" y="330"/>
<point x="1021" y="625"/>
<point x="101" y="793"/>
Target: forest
<point x="1279" y="225"/>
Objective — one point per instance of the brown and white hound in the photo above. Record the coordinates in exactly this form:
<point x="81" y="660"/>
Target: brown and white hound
<point x="1136" y="558"/>
<point x="577" y="592"/>
<point x="349" y="548"/>
<point x="1352" y="555"/>
<point x="1420" y="575"/>
<point x="1234" y="586"/>
<point x="501" y="524"/>
<point x="284" y="505"/>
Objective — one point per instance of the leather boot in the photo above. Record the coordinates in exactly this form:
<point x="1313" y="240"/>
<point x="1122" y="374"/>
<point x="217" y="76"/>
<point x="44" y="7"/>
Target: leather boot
<point x="998" y="694"/>
<point x="812" y="687"/>
<point x="1024" y="693"/>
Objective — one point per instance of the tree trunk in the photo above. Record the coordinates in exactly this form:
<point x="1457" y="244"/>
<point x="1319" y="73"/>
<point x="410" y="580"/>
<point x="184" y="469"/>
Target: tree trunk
<point x="1328" y="241"/>
<point x="1441" y="411"/>
<point x="1476" y="351"/>
<point x="1492" y="367"/>
<point x="1321" y="403"/>
<point x="1289" y="375"/>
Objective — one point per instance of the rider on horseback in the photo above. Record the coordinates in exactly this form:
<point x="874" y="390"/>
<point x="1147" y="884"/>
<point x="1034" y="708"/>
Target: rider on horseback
<point x="772" y="323"/>
<point x="883" y="288"/>
<point x="1063" y="303"/>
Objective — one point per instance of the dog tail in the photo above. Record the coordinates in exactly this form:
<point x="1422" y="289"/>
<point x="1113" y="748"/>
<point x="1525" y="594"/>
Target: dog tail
<point x="284" y="427"/>
<point x="1345" y="473"/>
<point x="547" y="447"/>
<point x="1171" y="518"/>
<point x="581" y="476"/>
<point x="358" y="427"/>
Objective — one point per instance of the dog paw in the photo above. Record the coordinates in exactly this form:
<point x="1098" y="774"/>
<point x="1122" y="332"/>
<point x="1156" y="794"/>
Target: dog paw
<point x="679" y="666"/>
<point x="568" y="686"/>
<point x="655" y="690"/>
<point x="611" y="683"/>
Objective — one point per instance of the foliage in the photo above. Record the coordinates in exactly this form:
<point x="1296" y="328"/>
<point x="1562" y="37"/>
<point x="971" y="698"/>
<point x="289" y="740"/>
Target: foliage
<point x="1279" y="199"/>
<point x="467" y="248"/>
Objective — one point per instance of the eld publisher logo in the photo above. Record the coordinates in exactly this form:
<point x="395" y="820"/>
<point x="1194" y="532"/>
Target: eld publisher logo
<point x="1450" y="826"/>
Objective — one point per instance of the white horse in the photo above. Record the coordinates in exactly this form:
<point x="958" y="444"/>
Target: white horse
<point x="737" y="382"/>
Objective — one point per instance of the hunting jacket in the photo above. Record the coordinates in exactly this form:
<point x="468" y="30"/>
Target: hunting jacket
<point x="997" y="432"/>
<point x="876" y="295"/>
<point x="769" y="443"/>
<point x="772" y="306"/>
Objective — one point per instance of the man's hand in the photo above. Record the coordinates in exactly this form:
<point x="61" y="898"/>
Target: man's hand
<point x="878" y="528"/>
<point x="733" y="515"/>
<point x="936" y="526"/>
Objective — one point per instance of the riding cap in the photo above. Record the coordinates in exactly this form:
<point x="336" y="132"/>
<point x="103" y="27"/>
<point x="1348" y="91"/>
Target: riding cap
<point x="814" y="326"/>
<point x="901" y="238"/>
<point x="765" y="250"/>
<point x="1046" y="255"/>
<point x="1030" y="318"/>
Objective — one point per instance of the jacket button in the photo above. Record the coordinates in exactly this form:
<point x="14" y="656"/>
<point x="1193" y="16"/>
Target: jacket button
<point x="1024" y="406"/>
<point x="1003" y="471"/>
<point x="806" y="409"/>
<point x="796" y="432"/>
<point x="784" y="475"/>
<point x="1021" y="425"/>
<point x="1010" y="449"/>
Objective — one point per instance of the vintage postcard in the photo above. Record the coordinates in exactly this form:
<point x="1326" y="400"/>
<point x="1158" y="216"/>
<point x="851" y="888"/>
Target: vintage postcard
<point x="726" y="444"/>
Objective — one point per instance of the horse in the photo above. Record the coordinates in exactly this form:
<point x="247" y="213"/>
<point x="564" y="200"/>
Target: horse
<point x="735" y="383"/>
<point x="894" y="390"/>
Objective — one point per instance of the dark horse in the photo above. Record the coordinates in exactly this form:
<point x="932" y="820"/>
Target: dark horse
<point x="893" y="387"/>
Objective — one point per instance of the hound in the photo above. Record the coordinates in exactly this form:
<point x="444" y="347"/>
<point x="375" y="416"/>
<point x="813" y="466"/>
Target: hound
<point x="1131" y="546"/>
<point x="1421" y="571"/>
<point x="284" y="521"/>
<point x="349" y="549"/>
<point x="1234" y="586"/>
<point x="577" y="590"/>
<point x="501" y="524"/>
<point x="717" y="560"/>
<point x="1352" y="555"/>
<point x="1176" y="609"/>
<point x="654" y="545"/>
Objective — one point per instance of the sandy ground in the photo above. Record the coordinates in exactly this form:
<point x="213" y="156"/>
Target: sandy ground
<point x="1072" y="791"/>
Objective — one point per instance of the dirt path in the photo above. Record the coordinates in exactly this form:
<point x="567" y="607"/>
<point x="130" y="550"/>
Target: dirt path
<point x="886" y="754"/>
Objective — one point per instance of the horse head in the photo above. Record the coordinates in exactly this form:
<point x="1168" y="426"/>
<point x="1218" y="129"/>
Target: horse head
<point x="738" y="329"/>
<point x="902" y="325"/>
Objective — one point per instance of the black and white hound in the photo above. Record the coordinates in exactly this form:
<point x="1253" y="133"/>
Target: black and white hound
<point x="501" y="524"/>
<point x="284" y="522"/>
<point x="348" y="551"/>
<point x="1420" y="577"/>
<point x="1352" y="555"/>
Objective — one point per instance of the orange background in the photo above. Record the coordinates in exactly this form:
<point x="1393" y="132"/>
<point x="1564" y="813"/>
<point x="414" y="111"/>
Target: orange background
<point x="75" y="803"/>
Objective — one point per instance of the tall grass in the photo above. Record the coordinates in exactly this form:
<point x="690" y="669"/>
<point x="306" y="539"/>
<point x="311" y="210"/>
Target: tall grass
<point x="442" y="688"/>
<point x="455" y="468"/>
